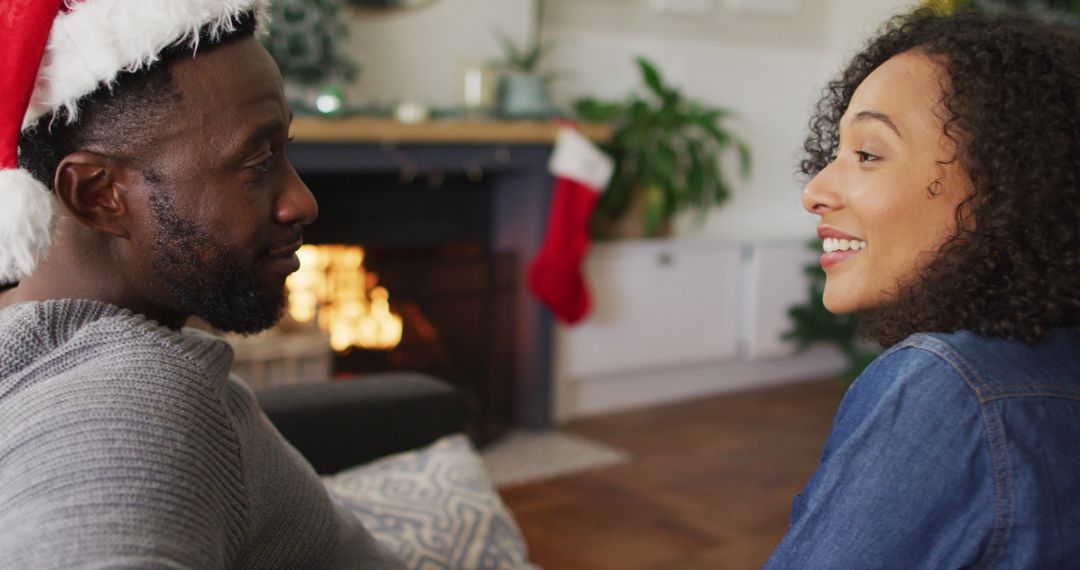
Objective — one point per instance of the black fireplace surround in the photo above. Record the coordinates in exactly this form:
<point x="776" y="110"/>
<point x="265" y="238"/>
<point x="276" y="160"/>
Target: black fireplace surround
<point x="454" y="225"/>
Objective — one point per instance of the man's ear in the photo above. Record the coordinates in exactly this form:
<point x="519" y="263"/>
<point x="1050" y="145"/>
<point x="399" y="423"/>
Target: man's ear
<point x="87" y="184"/>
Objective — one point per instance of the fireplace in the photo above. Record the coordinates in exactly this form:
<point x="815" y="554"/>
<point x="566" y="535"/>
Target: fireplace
<point x="427" y="243"/>
<point x="448" y="230"/>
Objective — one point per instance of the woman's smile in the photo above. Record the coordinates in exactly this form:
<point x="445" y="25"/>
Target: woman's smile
<point x="838" y="246"/>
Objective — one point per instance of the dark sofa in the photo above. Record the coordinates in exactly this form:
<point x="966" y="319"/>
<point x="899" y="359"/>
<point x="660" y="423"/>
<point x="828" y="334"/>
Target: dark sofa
<point x="344" y="423"/>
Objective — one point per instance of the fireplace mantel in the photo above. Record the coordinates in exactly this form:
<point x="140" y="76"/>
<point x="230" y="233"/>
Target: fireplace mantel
<point x="373" y="130"/>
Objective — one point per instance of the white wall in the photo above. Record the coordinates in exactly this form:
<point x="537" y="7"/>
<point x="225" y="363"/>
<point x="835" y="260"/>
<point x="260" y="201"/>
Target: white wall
<point x="420" y="54"/>
<point x="851" y="22"/>
<point x="767" y="67"/>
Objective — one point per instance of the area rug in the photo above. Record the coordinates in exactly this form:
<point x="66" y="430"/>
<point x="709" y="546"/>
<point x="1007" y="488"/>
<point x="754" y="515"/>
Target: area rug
<point x="524" y="457"/>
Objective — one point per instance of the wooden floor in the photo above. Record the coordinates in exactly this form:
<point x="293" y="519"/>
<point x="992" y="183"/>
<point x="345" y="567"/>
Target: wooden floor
<point x="710" y="485"/>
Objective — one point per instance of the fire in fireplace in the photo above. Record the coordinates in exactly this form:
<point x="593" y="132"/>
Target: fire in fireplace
<point x="333" y="289"/>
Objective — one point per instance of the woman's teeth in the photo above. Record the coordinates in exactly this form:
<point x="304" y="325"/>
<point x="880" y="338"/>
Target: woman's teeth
<point x="831" y="245"/>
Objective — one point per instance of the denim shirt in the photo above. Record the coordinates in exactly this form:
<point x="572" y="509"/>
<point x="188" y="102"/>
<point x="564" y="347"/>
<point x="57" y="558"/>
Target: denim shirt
<point x="949" y="451"/>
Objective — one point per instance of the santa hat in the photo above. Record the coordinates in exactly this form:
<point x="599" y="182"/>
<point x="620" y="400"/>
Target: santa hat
<point x="54" y="53"/>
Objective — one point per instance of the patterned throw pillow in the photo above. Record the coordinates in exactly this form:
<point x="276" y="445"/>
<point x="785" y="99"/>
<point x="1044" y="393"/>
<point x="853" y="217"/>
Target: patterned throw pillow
<point x="435" y="507"/>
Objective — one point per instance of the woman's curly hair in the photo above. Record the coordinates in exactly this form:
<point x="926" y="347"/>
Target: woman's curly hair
<point x="1012" y="269"/>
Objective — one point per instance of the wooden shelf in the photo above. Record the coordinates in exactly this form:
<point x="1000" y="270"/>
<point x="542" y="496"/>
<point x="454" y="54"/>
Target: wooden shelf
<point x="442" y="131"/>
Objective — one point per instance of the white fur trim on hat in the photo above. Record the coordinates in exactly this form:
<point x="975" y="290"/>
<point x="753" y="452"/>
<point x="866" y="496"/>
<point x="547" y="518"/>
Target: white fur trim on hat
<point x="25" y="224"/>
<point x="98" y="39"/>
<point x="577" y="158"/>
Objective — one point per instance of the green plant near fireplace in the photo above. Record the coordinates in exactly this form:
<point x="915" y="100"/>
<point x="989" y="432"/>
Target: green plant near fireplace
<point x="668" y="153"/>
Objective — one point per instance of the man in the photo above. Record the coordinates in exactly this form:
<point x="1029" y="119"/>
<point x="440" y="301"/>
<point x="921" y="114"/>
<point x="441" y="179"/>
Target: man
<point x="156" y="130"/>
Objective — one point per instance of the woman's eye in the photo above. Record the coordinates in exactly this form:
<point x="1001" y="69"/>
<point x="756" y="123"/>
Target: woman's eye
<point x="865" y="156"/>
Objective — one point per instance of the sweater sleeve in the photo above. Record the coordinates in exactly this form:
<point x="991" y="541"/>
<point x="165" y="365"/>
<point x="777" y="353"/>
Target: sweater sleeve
<point x="122" y="463"/>
<point x="906" y="479"/>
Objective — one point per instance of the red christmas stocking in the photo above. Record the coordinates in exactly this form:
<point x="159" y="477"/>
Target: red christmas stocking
<point x="582" y="172"/>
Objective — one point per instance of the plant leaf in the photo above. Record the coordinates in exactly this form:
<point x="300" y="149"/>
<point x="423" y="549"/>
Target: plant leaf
<point x="721" y="192"/>
<point x="513" y="56"/>
<point x="654" y="209"/>
<point x="715" y="114"/>
<point x="745" y="159"/>
<point x="695" y="178"/>
<point x="595" y="110"/>
<point x="640" y="113"/>
<point x="652" y="77"/>
<point x="721" y="137"/>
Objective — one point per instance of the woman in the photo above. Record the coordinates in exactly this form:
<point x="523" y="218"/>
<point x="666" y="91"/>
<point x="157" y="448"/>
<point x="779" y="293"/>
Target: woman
<point x="945" y="168"/>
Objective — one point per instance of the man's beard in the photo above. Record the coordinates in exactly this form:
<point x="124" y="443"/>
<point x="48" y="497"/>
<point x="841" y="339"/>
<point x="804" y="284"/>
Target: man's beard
<point x="207" y="280"/>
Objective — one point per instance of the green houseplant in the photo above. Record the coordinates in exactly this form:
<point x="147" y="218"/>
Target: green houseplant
<point x="668" y="153"/>
<point x="521" y="60"/>
<point x="523" y="90"/>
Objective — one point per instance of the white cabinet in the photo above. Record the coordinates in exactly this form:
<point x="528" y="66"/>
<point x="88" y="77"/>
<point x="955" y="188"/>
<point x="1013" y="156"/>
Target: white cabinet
<point x="676" y="319"/>
<point x="656" y="304"/>
<point x="774" y="279"/>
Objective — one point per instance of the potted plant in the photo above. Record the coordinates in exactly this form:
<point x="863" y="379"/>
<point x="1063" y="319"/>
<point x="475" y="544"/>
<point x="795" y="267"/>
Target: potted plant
<point x="523" y="90"/>
<point x="668" y="153"/>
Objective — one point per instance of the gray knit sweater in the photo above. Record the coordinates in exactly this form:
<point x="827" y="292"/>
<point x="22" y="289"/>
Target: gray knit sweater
<point x="124" y="444"/>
